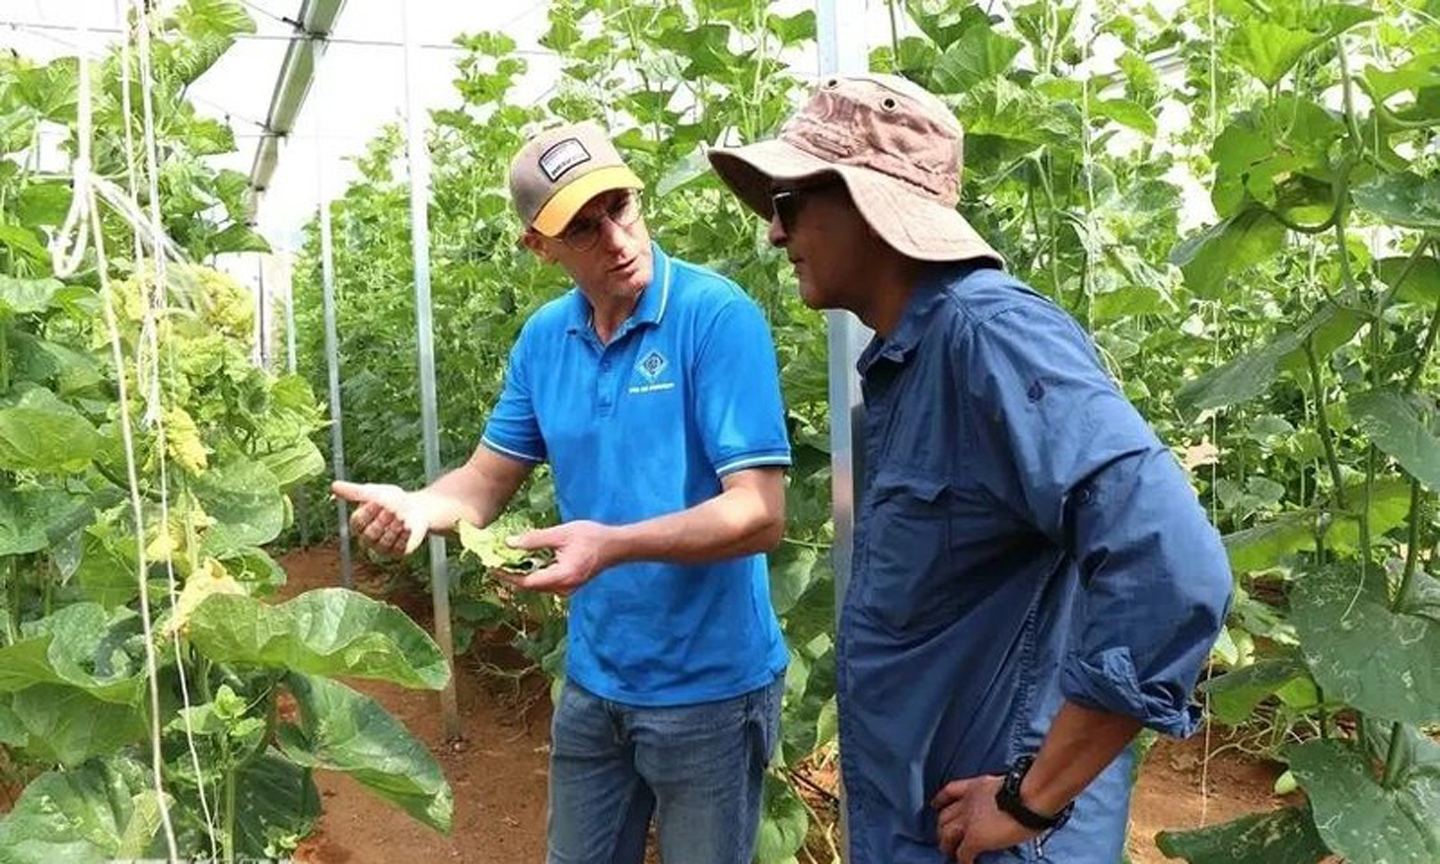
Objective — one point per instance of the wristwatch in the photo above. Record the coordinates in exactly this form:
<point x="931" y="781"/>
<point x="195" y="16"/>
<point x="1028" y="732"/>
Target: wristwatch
<point x="1007" y="798"/>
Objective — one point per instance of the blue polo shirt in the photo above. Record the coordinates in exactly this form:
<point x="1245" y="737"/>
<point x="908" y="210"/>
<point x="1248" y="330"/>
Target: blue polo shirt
<point x="686" y="392"/>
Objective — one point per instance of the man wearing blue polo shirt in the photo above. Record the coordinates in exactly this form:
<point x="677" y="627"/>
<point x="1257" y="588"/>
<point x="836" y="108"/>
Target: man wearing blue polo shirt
<point x="651" y="389"/>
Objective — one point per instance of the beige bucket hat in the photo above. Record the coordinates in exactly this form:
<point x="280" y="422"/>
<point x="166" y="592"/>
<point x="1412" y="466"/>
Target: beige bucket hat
<point x="898" y="149"/>
<point x="560" y="169"/>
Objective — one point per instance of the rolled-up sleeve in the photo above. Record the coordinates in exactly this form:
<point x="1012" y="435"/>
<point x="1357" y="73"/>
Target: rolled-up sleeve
<point x="1072" y="457"/>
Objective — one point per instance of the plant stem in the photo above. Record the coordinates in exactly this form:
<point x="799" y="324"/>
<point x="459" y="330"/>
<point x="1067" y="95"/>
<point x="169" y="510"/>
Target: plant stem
<point x="1322" y="420"/>
<point x="12" y="584"/>
<point x="230" y="816"/>
<point x="1412" y="551"/>
<point x="4" y="354"/>
<point x="1425" y="348"/>
<point x="894" y="36"/>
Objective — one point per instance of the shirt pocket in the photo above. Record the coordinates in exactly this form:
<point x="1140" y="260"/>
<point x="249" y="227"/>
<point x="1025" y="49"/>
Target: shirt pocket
<point x="911" y="582"/>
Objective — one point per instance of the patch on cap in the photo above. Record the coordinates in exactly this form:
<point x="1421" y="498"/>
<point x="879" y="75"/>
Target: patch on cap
<point x="562" y="157"/>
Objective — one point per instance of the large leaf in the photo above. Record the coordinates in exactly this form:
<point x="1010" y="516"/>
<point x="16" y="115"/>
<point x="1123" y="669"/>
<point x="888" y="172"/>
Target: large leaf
<point x="1234" y="695"/>
<point x="342" y="730"/>
<point x="783" y="823"/>
<point x="77" y="817"/>
<point x="328" y="631"/>
<point x="246" y="500"/>
<point x="1362" y="653"/>
<point x="276" y="806"/>
<point x="1265" y="545"/>
<point x="1285" y="836"/>
<point x="1421" y="285"/>
<point x="22" y="296"/>
<point x="790" y="576"/>
<point x="107" y="573"/>
<point x="38" y="432"/>
<point x="1395" y="424"/>
<point x="296" y="463"/>
<point x="1402" y="198"/>
<point x="1268" y="50"/>
<point x="1243" y="240"/>
<point x="1358" y="818"/>
<point x="68" y="726"/>
<point x="79" y="646"/>
<point x="1252" y="373"/>
<point x="979" y="55"/>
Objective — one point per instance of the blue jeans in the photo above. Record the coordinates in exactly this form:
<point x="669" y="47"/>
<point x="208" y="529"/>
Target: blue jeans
<point x="700" y="769"/>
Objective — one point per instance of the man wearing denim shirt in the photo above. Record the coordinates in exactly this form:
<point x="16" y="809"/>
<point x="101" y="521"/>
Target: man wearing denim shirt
<point x="651" y="389"/>
<point x="1034" y="579"/>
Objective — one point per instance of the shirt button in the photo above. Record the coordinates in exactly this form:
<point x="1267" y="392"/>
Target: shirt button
<point x="605" y="366"/>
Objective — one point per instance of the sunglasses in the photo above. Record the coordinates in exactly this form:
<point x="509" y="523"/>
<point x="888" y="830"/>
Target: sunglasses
<point x="582" y="234"/>
<point x="786" y="203"/>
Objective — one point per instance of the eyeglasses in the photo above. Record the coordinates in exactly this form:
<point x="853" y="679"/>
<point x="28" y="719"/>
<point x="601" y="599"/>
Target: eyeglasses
<point x="583" y="234"/>
<point x="786" y="203"/>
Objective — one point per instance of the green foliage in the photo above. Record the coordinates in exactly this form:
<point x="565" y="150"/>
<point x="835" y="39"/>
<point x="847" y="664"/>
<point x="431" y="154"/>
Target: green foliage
<point x="218" y="445"/>
<point x="1283" y="346"/>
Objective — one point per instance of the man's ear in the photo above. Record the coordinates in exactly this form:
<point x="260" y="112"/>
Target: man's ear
<point x="533" y="241"/>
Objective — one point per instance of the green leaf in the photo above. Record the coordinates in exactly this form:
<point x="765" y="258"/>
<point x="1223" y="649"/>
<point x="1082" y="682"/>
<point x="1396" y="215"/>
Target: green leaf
<point x="790" y="576"/>
<point x="39" y="432"/>
<point x="1422" y="283"/>
<point x="294" y="464"/>
<point x="1419" y="72"/>
<point x="944" y="21"/>
<point x="26" y="296"/>
<point x="1402" y="198"/>
<point x="1265" y="545"/>
<point x="107" y="573"/>
<point x="1357" y="817"/>
<point x="238" y="238"/>
<point x="1395" y="423"/>
<point x="1251" y="374"/>
<point x="979" y="55"/>
<point x="245" y="498"/>
<point x="1234" y="695"/>
<point x="794" y="29"/>
<point x="276" y="806"/>
<point x="1285" y="836"/>
<point x="43" y="203"/>
<point x="77" y="817"/>
<point x="1126" y="113"/>
<point x="1225" y="249"/>
<point x="1269" y="50"/>
<point x="328" y="631"/>
<point x="66" y="725"/>
<point x="1360" y="652"/>
<point x="342" y="730"/>
<point x="488" y="544"/>
<point x="76" y="646"/>
<point x="23" y="244"/>
<point x="783" y="823"/>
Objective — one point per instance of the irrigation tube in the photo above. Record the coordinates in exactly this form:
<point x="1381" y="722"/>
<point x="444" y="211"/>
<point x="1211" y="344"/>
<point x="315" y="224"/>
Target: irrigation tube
<point x="419" y="159"/>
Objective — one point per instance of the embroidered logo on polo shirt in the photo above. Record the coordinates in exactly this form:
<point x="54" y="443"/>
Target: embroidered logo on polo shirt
<point x="651" y="364"/>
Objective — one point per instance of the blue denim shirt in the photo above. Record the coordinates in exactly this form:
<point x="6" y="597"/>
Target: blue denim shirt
<point x="1024" y="539"/>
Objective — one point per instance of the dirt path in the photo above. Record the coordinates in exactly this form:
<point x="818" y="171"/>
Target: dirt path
<point x="499" y="776"/>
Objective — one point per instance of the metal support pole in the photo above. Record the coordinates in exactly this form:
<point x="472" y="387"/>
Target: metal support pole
<point x="289" y="292"/>
<point x="841" y="39"/>
<point x="332" y="352"/>
<point x="262" y="321"/>
<point x="419" y="158"/>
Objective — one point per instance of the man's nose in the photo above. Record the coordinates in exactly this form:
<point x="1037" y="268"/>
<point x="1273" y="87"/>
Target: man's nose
<point x="776" y="234"/>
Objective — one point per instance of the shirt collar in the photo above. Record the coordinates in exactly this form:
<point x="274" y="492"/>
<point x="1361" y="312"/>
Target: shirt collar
<point x="928" y="292"/>
<point x="650" y="308"/>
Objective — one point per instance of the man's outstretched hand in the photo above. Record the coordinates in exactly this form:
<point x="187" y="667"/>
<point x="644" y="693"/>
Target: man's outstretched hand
<point x="387" y="518"/>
